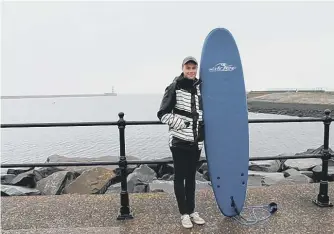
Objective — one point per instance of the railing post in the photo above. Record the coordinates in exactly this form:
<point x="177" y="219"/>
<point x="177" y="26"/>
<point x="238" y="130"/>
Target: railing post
<point x="125" y="207"/>
<point x="323" y="198"/>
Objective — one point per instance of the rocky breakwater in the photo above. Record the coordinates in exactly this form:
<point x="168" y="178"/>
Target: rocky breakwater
<point x="148" y="178"/>
<point x="301" y="104"/>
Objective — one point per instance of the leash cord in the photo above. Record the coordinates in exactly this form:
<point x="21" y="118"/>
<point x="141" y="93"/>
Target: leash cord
<point x="256" y="219"/>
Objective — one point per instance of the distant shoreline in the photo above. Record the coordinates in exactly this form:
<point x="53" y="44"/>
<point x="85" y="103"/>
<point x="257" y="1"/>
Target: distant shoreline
<point x="289" y="109"/>
<point x="301" y="104"/>
<point x="58" y="96"/>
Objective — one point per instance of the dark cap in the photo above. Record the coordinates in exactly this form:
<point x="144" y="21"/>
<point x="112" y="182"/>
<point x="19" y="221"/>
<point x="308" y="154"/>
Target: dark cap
<point x="188" y="59"/>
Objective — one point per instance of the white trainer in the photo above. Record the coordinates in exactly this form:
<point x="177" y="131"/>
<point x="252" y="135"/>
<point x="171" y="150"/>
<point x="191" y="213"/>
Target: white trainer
<point x="186" y="222"/>
<point x="196" y="218"/>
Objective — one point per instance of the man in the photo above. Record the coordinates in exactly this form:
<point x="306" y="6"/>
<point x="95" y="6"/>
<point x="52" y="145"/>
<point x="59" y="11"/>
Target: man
<point x="181" y="109"/>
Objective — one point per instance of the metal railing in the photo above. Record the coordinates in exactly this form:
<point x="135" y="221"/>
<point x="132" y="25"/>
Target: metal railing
<point x="322" y="199"/>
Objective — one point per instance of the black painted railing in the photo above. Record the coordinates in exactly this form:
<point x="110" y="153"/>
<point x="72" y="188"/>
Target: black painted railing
<point x="322" y="199"/>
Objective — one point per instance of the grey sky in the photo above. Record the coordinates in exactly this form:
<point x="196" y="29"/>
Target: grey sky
<point x="87" y="47"/>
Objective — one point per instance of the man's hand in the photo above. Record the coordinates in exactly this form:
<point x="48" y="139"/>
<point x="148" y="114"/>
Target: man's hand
<point x="183" y="124"/>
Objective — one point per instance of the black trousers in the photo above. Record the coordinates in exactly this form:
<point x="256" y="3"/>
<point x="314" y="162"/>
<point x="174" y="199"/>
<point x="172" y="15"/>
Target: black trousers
<point x="185" y="165"/>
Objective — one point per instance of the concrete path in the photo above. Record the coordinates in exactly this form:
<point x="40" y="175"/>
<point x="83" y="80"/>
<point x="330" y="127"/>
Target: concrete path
<point x="157" y="213"/>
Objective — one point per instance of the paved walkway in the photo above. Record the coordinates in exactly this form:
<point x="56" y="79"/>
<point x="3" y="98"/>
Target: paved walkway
<point x="157" y="213"/>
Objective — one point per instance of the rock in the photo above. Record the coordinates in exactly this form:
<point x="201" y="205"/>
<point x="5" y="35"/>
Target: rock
<point x="267" y="178"/>
<point x="331" y="161"/>
<point x="317" y="171"/>
<point x="55" y="183"/>
<point x="9" y="190"/>
<point x="206" y="175"/>
<point x="162" y="169"/>
<point x="165" y="169"/>
<point x="141" y="187"/>
<point x="45" y="172"/>
<point x="38" y="175"/>
<point x="291" y="172"/>
<point x="203" y="168"/>
<point x="315" y="151"/>
<point x="141" y="175"/>
<point x="117" y="171"/>
<point x="26" y="179"/>
<point x="167" y="177"/>
<point x="80" y="169"/>
<point x="7" y="179"/>
<point x="199" y="177"/>
<point x="296" y="179"/>
<point x="265" y="166"/>
<point x="18" y="171"/>
<point x="302" y="164"/>
<point x="115" y="188"/>
<point x="307" y="173"/>
<point x="154" y="167"/>
<point x="92" y="181"/>
<point x="306" y="164"/>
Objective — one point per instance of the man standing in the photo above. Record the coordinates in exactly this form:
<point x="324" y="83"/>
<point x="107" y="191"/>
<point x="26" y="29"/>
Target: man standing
<point x="181" y="109"/>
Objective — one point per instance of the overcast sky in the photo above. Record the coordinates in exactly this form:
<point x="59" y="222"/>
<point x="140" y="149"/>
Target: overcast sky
<point x="88" y="47"/>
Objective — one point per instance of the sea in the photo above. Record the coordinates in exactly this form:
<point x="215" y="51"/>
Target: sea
<point x="30" y="145"/>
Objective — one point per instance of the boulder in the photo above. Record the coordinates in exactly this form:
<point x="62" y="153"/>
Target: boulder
<point x="55" y="183"/>
<point x="7" y="178"/>
<point x="141" y="187"/>
<point x="45" y="172"/>
<point x="315" y="151"/>
<point x="165" y="169"/>
<point x="200" y="177"/>
<point x="331" y="161"/>
<point x="292" y="176"/>
<point x="306" y="164"/>
<point x="18" y="171"/>
<point x="296" y="179"/>
<point x="291" y="172"/>
<point x="167" y="177"/>
<point x="203" y="168"/>
<point x="265" y="166"/>
<point x="115" y="188"/>
<point x="143" y="175"/>
<point x="92" y="181"/>
<point x="307" y="173"/>
<point x="267" y="178"/>
<point x="26" y="179"/>
<point x="9" y="190"/>
<point x="303" y="164"/>
<point x="80" y="169"/>
<point x="206" y="175"/>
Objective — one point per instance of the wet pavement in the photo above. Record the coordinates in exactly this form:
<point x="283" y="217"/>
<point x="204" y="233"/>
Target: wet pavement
<point x="157" y="213"/>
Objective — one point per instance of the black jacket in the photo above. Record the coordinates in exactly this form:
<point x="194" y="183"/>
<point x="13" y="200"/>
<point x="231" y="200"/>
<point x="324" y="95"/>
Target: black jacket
<point x="181" y="108"/>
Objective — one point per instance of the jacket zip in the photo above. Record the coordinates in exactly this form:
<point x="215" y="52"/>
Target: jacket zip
<point x="194" y="112"/>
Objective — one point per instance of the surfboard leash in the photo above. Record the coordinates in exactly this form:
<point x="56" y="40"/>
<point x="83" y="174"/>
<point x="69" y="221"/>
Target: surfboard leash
<point x="271" y="209"/>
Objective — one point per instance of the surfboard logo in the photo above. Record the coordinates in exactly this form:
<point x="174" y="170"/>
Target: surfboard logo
<point x="222" y="67"/>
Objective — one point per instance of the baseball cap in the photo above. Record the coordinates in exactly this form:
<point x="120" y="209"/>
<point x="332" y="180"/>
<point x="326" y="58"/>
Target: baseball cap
<point x="188" y="59"/>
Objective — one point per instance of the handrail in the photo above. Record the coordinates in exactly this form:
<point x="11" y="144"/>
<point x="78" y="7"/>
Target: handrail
<point x="84" y="124"/>
<point x="139" y="162"/>
<point x="125" y="213"/>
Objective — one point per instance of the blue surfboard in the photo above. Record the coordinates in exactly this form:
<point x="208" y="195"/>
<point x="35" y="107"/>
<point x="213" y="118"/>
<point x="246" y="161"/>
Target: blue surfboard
<point x="225" y="116"/>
